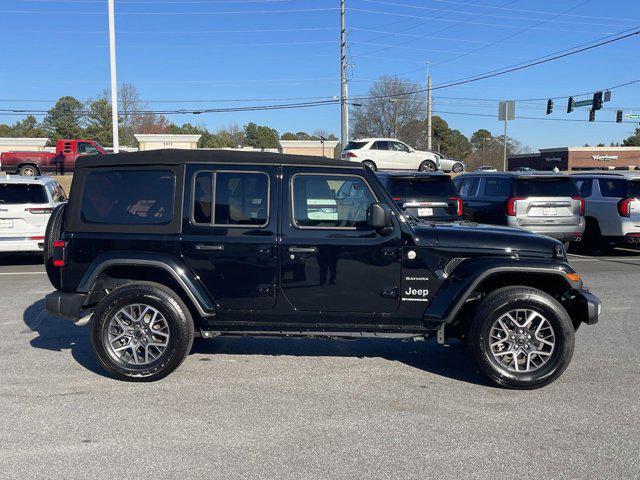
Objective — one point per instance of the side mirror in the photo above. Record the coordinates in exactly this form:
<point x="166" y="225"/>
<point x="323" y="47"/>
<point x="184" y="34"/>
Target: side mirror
<point x="379" y="216"/>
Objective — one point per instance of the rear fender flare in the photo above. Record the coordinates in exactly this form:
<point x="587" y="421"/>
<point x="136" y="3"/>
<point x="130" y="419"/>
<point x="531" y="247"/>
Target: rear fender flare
<point x="190" y="285"/>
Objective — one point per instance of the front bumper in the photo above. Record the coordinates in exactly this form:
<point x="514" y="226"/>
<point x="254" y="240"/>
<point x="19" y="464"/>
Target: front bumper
<point x="589" y="306"/>
<point x="65" y="305"/>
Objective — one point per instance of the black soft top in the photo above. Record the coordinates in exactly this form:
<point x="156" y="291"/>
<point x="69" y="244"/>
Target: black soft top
<point x="178" y="157"/>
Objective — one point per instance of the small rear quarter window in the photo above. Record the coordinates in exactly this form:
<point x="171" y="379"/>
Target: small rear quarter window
<point x="128" y="197"/>
<point x="355" y="145"/>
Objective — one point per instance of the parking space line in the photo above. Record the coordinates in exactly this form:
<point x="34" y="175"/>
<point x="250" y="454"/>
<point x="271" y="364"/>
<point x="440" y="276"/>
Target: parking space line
<point x="23" y="273"/>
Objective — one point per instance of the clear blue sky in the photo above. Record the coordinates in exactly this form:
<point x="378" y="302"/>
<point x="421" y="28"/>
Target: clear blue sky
<point x="227" y="49"/>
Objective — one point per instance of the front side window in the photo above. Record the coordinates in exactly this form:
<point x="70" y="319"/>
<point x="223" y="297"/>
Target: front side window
<point x="128" y="197"/>
<point x="86" y="148"/>
<point x="325" y="201"/>
<point x="230" y="198"/>
<point x="613" y="187"/>
<point x="399" y="147"/>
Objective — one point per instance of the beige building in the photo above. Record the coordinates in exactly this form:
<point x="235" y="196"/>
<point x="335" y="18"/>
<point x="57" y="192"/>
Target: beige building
<point x="22" y="144"/>
<point x="159" y="141"/>
<point x="315" y="148"/>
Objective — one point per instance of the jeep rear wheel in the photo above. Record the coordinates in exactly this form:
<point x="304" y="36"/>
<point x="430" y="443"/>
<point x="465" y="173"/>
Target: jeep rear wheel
<point x="141" y="332"/>
<point x="521" y="337"/>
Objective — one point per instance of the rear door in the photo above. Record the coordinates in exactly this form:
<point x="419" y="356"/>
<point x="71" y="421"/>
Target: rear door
<point x="381" y="155"/>
<point x="468" y="191"/>
<point x="425" y="197"/>
<point x="24" y="210"/>
<point x="547" y="201"/>
<point x="229" y="239"/>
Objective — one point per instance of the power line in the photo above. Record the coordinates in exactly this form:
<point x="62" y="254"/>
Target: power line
<point x="423" y="49"/>
<point x="229" y="12"/>
<point x="420" y="7"/>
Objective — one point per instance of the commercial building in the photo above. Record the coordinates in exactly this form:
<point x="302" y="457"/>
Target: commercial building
<point x="316" y="148"/>
<point x="579" y="158"/>
<point x="158" y="141"/>
<point x="22" y="144"/>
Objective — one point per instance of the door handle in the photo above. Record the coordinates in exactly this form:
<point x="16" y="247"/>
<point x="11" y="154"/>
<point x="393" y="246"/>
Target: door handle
<point x="303" y="249"/>
<point x="210" y="248"/>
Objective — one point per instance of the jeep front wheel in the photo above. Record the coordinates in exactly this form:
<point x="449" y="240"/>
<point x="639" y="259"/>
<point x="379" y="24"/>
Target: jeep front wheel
<point x="141" y="332"/>
<point x="521" y="337"/>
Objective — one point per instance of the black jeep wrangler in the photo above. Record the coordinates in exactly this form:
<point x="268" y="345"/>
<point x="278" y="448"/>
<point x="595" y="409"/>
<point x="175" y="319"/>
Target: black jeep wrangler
<point x="157" y="247"/>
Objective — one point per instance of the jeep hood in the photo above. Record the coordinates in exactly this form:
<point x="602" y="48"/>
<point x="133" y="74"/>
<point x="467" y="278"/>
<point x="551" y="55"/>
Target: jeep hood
<point x="490" y="239"/>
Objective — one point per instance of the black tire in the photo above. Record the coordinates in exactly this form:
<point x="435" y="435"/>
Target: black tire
<point x="504" y="300"/>
<point x="178" y="319"/>
<point x="427" y="166"/>
<point x="52" y="234"/>
<point x="457" y="168"/>
<point x="28" y="171"/>
<point x="370" y="164"/>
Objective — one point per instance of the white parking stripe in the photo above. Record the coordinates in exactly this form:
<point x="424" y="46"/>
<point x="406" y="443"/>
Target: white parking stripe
<point x="23" y="273"/>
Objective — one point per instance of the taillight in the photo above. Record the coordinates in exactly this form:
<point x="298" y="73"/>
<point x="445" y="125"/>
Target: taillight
<point x="458" y="201"/>
<point x="351" y="154"/>
<point x="36" y="238"/>
<point x="624" y="207"/>
<point x="40" y="211"/>
<point x="577" y="197"/>
<point x="511" y="206"/>
<point x="396" y="199"/>
<point x="59" y="259"/>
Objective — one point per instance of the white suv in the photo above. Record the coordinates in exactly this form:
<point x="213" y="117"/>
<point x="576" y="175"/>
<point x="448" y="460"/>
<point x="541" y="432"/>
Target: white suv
<point x="26" y="204"/>
<point x="389" y="154"/>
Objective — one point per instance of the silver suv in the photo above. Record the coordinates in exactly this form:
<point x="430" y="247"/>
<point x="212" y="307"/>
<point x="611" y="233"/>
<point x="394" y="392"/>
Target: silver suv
<point x="612" y="208"/>
<point x="540" y="202"/>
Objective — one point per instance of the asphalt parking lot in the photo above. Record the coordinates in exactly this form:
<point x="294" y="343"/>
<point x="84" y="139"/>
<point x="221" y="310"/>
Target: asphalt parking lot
<point x="291" y="409"/>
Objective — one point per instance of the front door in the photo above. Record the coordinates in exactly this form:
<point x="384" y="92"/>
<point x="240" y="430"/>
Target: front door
<point x="229" y="237"/>
<point x="332" y="261"/>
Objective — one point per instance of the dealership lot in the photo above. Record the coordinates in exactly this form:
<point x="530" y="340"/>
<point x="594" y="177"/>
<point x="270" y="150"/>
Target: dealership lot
<point x="316" y="409"/>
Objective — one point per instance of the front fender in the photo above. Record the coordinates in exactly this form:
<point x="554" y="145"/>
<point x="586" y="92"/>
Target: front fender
<point x="170" y="264"/>
<point x="455" y="291"/>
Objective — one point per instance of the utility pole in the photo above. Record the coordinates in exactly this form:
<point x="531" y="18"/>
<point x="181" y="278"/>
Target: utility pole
<point x="114" y="81"/>
<point x="344" y="110"/>
<point x="429" y="123"/>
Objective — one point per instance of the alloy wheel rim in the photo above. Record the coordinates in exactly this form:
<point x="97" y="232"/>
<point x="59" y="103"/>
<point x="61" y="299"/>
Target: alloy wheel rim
<point x="138" y="334"/>
<point x="522" y="340"/>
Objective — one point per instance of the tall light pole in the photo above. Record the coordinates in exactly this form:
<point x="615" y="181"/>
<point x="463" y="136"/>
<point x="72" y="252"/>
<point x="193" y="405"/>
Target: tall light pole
<point x="114" y="81"/>
<point x="344" y="108"/>
<point x="429" y="121"/>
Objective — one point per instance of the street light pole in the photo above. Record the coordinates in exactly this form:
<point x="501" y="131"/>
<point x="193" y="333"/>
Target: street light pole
<point x="344" y="107"/>
<point x="114" y="81"/>
<point x="429" y="121"/>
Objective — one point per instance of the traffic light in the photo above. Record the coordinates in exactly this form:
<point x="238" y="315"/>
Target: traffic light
<point x="592" y="115"/>
<point x="570" y="105"/>
<point x="619" y="116"/>
<point x="597" y="101"/>
<point x="549" y="106"/>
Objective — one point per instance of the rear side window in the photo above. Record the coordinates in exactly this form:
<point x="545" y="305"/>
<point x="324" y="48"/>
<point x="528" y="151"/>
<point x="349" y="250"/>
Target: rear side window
<point x="546" y="187"/>
<point x="497" y="187"/>
<point x="325" y="201"/>
<point x="380" y="145"/>
<point x="355" y="145"/>
<point x="613" y="187"/>
<point x="423" y="187"/>
<point x="634" y="189"/>
<point x="230" y="198"/>
<point x="128" y="197"/>
<point x="469" y="187"/>
<point x="16" y="194"/>
<point x="585" y="186"/>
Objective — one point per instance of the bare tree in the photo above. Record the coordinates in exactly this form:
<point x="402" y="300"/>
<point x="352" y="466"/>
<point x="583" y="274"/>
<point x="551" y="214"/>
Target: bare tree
<point x="391" y="104"/>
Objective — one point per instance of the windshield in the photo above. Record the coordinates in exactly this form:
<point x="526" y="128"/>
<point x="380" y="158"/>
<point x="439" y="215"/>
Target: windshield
<point x="422" y="187"/>
<point x="546" y="187"/>
<point x="355" y="145"/>
<point x="15" y="194"/>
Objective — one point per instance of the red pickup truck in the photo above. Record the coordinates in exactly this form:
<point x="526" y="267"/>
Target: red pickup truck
<point x="35" y="163"/>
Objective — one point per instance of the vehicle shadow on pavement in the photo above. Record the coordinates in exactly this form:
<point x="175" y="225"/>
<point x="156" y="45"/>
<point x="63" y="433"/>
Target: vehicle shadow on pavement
<point x="56" y="334"/>
<point x="20" y="259"/>
<point x="452" y="361"/>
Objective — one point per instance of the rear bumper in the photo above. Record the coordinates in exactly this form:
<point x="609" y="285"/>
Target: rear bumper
<point x="564" y="233"/>
<point x="21" y="245"/>
<point x="589" y="306"/>
<point x="65" y="305"/>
